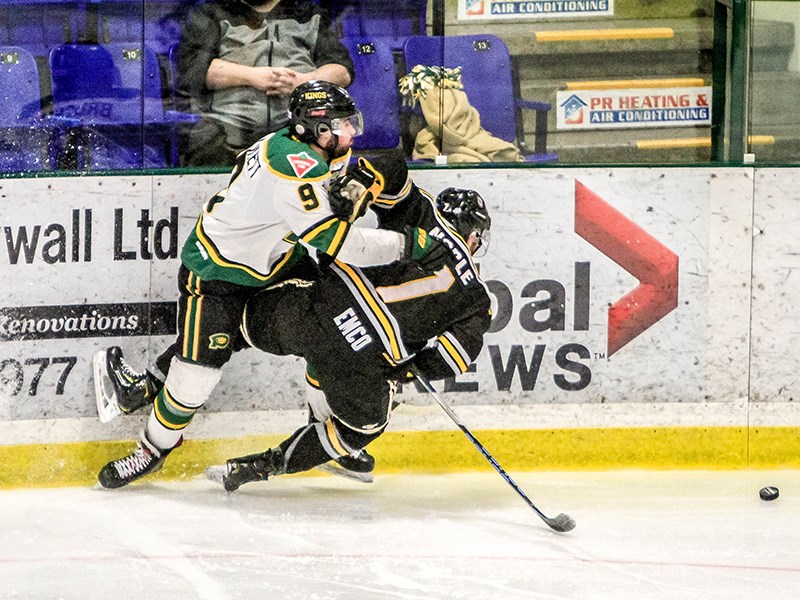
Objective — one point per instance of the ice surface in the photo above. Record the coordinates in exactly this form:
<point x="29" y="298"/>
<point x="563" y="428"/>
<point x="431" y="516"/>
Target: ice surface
<point x="639" y="535"/>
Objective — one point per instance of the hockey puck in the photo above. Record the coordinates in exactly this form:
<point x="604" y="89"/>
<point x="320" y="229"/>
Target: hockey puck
<point x="768" y="493"/>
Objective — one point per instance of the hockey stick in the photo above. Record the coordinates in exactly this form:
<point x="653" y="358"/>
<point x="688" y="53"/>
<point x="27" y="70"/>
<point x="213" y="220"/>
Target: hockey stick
<point x="560" y="523"/>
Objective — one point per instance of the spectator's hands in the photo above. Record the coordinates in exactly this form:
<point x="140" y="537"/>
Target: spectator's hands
<point x="276" y="81"/>
<point x="273" y="81"/>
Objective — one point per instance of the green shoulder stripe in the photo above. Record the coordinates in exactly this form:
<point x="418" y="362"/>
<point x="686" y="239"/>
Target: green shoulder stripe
<point x="291" y="159"/>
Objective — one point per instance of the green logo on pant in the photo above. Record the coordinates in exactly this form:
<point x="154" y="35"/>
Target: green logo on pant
<point x="219" y="341"/>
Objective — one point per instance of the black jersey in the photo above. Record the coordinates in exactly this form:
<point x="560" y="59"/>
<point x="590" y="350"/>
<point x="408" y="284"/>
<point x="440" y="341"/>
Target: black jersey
<point x="437" y="317"/>
<point x="359" y="328"/>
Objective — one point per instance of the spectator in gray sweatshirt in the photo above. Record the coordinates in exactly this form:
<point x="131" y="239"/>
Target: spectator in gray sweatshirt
<point x="237" y="64"/>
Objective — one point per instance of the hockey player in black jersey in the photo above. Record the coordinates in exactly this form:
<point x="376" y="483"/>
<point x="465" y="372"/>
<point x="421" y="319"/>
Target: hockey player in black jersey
<point x="362" y="329"/>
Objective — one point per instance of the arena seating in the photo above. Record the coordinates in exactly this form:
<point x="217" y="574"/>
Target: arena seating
<point x="375" y="92"/>
<point x="27" y="136"/>
<point x="115" y="92"/>
<point x="633" y="48"/>
<point x="393" y="20"/>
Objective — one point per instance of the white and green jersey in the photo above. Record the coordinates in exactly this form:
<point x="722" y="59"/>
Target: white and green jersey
<point x="248" y="233"/>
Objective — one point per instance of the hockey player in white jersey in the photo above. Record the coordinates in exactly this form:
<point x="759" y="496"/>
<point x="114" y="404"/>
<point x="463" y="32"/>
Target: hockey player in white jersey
<point x="259" y="230"/>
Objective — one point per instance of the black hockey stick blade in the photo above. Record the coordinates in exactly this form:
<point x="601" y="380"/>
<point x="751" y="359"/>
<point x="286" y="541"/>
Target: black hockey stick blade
<point x="561" y="523"/>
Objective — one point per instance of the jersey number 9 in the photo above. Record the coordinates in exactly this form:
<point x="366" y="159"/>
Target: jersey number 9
<point x="307" y="196"/>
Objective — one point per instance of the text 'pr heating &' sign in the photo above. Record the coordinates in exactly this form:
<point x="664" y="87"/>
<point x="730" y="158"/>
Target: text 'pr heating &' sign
<point x="633" y="108"/>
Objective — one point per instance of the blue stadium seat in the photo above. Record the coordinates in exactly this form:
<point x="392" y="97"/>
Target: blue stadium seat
<point x="115" y="91"/>
<point x="157" y="22"/>
<point x="488" y="79"/>
<point x="172" y="72"/>
<point x="119" y="22"/>
<point x="375" y="92"/>
<point x="395" y="20"/>
<point x="26" y="134"/>
<point x="40" y="27"/>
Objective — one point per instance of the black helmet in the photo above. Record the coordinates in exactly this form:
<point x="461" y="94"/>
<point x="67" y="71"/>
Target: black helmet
<point x="316" y="107"/>
<point x="466" y="211"/>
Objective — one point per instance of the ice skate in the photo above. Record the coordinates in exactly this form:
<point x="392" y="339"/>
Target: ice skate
<point x="254" y="467"/>
<point x="118" y="388"/>
<point x="145" y="459"/>
<point x="358" y="466"/>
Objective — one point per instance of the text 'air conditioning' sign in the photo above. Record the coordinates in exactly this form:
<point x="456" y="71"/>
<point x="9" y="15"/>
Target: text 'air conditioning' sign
<point x="633" y="108"/>
<point x="533" y="9"/>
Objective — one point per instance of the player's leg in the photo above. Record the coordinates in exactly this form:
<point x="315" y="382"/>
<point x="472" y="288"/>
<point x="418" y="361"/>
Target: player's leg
<point x="306" y="448"/>
<point x="146" y="458"/>
<point x="209" y="314"/>
<point x="316" y="443"/>
<point x="357" y="465"/>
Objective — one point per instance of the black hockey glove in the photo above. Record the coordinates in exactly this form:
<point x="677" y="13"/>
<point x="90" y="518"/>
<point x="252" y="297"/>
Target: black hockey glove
<point x="429" y="253"/>
<point x="351" y="194"/>
<point x="402" y="373"/>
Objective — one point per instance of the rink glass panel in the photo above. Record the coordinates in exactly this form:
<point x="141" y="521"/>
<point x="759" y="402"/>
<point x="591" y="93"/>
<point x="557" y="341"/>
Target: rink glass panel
<point x="90" y="86"/>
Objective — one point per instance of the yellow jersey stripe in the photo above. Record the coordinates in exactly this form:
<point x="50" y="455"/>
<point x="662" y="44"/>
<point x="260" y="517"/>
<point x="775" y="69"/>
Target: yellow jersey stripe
<point x="187" y="329"/>
<point x="453" y="353"/>
<point x="318" y="229"/>
<point x="196" y="326"/>
<point x="338" y="239"/>
<point x="377" y="310"/>
<point x="312" y="382"/>
<point x="330" y="430"/>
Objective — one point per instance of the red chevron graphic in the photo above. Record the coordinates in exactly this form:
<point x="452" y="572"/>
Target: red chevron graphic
<point x="640" y="254"/>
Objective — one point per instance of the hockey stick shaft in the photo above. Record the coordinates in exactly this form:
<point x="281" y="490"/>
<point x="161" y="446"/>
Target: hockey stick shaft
<point x="560" y="523"/>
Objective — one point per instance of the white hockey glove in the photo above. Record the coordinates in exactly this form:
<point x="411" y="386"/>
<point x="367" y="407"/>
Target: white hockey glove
<point x="351" y="194"/>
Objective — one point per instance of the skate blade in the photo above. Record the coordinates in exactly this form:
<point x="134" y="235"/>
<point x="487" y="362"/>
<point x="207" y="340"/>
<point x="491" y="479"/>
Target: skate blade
<point x="107" y="405"/>
<point x="333" y="468"/>
<point x="216" y="473"/>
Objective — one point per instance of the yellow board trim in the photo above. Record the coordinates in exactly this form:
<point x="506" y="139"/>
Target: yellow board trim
<point x="698" y="142"/>
<point x="581" y="35"/>
<point x="653" y="448"/>
<point x="625" y="84"/>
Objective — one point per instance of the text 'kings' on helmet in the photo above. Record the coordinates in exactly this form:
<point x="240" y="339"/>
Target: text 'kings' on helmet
<point x="316" y="107"/>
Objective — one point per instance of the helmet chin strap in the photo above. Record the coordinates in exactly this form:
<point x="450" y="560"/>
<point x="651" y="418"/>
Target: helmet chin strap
<point x="332" y="146"/>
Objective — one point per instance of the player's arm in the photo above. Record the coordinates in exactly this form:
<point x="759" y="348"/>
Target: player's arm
<point x="455" y="349"/>
<point x="305" y="206"/>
